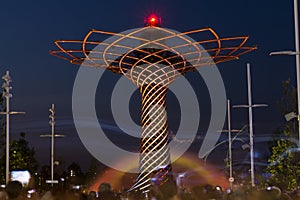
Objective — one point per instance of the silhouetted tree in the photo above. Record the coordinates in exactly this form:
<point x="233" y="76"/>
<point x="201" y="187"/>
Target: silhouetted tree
<point x="287" y="104"/>
<point x="45" y="174"/>
<point x="60" y="167"/>
<point x="75" y="175"/>
<point x="94" y="168"/>
<point x="21" y="157"/>
<point x="284" y="162"/>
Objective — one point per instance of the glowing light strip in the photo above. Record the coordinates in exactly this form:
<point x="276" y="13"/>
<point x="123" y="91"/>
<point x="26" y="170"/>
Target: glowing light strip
<point x="216" y="56"/>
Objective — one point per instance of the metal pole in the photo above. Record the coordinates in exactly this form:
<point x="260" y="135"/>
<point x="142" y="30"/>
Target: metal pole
<point x="229" y="144"/>
<point x="52" y="142"/>
<point x="7" y="134"/>
<point x="296" y="22"/>
<point x="250" y="125"/>
<point x="52" y="136"/>
<point x="250" y="106"/>
<point x="6" y="87"/>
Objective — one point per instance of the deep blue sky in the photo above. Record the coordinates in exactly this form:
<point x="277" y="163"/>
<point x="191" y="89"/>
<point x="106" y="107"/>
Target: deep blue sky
<point x="28" y="29"/>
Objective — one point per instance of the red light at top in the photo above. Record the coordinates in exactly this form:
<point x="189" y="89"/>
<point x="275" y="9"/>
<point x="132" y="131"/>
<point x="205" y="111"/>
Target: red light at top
<point x="153" y="20"/>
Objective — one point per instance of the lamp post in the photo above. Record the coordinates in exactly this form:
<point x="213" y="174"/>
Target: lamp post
<point x="230" y="140"/>
<point x="293" y="114"/>
<point x="6" y="93"/>
<point x="229" y="145"/>
<point x="289" y="53"/>
<point x="224" y="141"/>
<point x="52" y="135"/>
<point x="296" y="23"/>
<point x="250" y="106"/>
<point x="229" y="131"/>
<point x="296" y="53"/>
<point x="230" y="179"/>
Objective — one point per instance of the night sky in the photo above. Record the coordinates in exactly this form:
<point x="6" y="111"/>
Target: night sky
<point x="28" y="29"/>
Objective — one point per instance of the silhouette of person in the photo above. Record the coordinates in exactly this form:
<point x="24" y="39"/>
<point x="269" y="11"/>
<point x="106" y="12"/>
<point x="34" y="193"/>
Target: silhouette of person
<point x="13" y="190"/>
<point x="105" y="192"/>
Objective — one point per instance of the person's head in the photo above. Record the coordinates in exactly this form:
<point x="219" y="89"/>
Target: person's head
<point x="105" y="192"/>
<point x="104" y="187"/>
<point x="167" y="190"/>
<point x="13" y="189"/>
<point x="47" y="196"/>
<point x="3" y="195"/>
<point x="92" y="195"/>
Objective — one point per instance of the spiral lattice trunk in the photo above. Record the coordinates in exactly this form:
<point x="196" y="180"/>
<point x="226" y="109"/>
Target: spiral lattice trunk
<point x="154" y="157"/>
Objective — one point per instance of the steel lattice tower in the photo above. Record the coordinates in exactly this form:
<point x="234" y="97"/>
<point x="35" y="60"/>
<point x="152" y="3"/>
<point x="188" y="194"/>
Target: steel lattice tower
<point x="152" y="58"/>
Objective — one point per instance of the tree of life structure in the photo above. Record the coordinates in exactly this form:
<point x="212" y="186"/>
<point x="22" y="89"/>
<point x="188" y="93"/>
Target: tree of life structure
<point x="152" y="57"/>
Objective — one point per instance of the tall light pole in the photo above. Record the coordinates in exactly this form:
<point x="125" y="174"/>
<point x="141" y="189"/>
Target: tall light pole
<point x="296" y="53"/>
<point x="52" y="135"/>
<point x="6" y="93"/>
<point x="229" y="131"/>
<point x="229" y="145"/>
<point x="250" y="106"/>
<point x="230" y="179"/>
<point x="296" y="23"/>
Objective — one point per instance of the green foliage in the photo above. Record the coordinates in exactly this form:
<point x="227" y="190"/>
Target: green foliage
<point x="21" y="157"/>
<point x="284" y="165"/>
<point x="284" y="162"/>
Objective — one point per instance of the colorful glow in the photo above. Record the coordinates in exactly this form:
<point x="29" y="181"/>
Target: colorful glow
<point x="197" y="173"/>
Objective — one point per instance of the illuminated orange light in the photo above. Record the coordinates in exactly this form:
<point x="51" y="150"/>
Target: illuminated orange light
<point x="219" y="52"/>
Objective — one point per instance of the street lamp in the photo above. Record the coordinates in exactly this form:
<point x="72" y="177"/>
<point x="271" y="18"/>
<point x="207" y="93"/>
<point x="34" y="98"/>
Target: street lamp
<point x="296" y="53"/>
<point x="289" y="53"/>
<point x="230" y="179"/>
<point x="205" y="156"/>
<point x="250" y="106"/>
<point x="229" y="145"/>
<point x="230" y="140"/>
<point x="290" y="116"/>
<point x="52" y="135"/>
<point x="6" y="93"/>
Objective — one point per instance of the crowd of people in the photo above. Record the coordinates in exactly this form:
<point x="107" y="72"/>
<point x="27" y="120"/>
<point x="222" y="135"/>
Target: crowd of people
<point x="15" y="191"/>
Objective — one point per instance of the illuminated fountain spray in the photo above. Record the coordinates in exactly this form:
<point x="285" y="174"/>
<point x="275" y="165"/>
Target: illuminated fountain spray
<point x="152" y="58"/>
